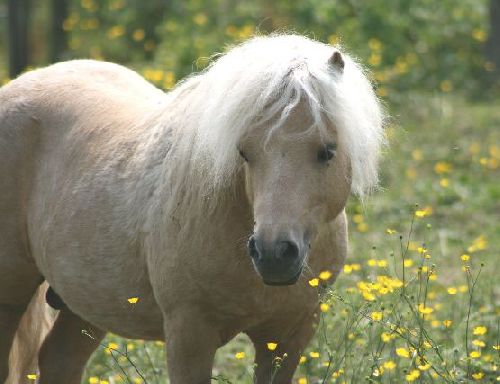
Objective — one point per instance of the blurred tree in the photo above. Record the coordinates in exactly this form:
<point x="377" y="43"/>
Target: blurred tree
<point x="59" y="40"/>
<point x="18" y="11"/>
<point x="493" y="45"/>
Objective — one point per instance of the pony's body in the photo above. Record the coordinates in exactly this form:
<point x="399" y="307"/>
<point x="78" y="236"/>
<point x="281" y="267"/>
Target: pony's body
<point x="101" y="198"/>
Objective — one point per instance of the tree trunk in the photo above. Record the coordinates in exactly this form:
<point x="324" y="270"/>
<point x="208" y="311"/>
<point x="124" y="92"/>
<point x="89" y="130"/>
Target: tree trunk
<point x="59" y="39"/>
<point x="493" y="45"/>
<point x="19" y="11"/>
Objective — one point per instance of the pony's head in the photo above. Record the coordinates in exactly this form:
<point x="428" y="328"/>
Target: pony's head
<point x="301" y="121"/>
<point x="295" y="182"/>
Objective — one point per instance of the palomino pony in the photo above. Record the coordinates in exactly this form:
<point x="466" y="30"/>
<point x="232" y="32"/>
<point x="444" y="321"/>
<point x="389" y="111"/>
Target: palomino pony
<point x="213" y="204"/>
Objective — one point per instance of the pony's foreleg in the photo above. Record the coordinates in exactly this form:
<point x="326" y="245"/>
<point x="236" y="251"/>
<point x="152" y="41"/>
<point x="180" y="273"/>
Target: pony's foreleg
<point x="66" y="350"/>
<point x="9" y="320"/>
<point x="279" y="365"/>
<point x="191" y="344"/>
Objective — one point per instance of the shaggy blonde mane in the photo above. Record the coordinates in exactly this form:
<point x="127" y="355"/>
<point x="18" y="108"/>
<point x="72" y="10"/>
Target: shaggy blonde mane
<point x="262" y="80"/>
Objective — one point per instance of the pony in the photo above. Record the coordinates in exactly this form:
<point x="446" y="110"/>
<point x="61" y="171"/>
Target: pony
<point x="212" y="206"/>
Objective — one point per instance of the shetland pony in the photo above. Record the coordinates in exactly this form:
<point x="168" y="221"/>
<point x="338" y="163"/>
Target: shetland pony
<point x="213" y="204"/>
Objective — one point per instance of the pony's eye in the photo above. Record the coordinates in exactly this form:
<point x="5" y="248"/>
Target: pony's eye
<point x="327" y="153"/>
<point x="242" y="154"/>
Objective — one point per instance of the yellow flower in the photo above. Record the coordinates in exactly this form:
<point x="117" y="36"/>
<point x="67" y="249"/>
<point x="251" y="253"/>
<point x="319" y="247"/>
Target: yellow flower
<point x="382" y="263"/>
<point x="336" y="374"/>
<point x="362" y="227"/>
<point x="408" y="263"/>
<point x="302" y="380"/>
<point x="479" y="343"/>
<point x="444" y="182"/>
<point x="465" y="257"/>
<point x="382" y="91"/>
<point x="116" y="4"/>
<point x="390" y="231"/>
<point x="314" y="282"/>
<point x="272" y="346"/>
<point x="302" y="360"/>
<point x="133" y="300"/>
<point x="402" y="352"/>
<point x="31" y="376"/>
<point x="496" y="347"/>
<point x="333" y="39"/>
<point x="139" y="35"/>
<point x="452" y="291"/>
<point x="478" y="244"/>
<point x="479" y="35"/>
<point x="324" y="307"/>
<point x="389" y="365"/>
<point x="413" y="375"/>
<point x="347" y="269"/>
<point x="377" y="316"/>
<point x="446" y="85"/>
<point x="375" y="59"/>
<point x="442" y="167"/>
<point x="463" y="288"/>
<point x="417" y="155"/>
<point x="314" y="355"/>
<point x="424" y="310"/>
<point x="411" y="173"/>
<point x="478" y="375"/>
<point x="424" y="367"/>
<point x="116" y="31"/>
<point x="480" y="330"/>
<point x="368" y="296"/>
<point x="358" y="218"/>
<point x="239" y="355"/>
<point x="246" y="31"/>
<point x="475" y="354"/>
<point x="169" y="80"/>
<point x="325" y="275"/>
<point x="447" y="323"/>
<point x="423" y="212"/>
<point x="375" y="44"/>
<point x="93" y="380"/>
<point x="200" y="19"/>
<point x="386" y="337"/>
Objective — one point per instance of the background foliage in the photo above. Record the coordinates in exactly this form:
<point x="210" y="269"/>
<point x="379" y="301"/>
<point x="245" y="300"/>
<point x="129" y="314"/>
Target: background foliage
<point x="436" y="46"/>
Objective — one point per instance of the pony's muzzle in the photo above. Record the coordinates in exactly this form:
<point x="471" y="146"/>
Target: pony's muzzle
<point x="279" y="262"/>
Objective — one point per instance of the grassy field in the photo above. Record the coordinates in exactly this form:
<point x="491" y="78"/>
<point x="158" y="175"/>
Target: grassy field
<point x="418" y="300"/>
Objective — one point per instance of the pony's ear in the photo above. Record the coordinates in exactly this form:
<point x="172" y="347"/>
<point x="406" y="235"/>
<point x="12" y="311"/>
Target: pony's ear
<point x="337" y="61"/>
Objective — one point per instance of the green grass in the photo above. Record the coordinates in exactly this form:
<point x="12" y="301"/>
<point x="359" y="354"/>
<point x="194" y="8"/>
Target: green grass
<point x="443" y="155"/>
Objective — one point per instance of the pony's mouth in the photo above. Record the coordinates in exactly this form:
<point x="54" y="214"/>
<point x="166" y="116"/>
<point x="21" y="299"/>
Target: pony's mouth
<point x="291" y="281"/>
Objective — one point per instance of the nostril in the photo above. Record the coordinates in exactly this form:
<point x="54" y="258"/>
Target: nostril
<point x="287" y="250"/>
<point x="252" y="248"/>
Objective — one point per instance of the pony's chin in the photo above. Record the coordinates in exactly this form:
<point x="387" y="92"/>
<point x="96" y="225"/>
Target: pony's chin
<point x="292" y="281"/>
